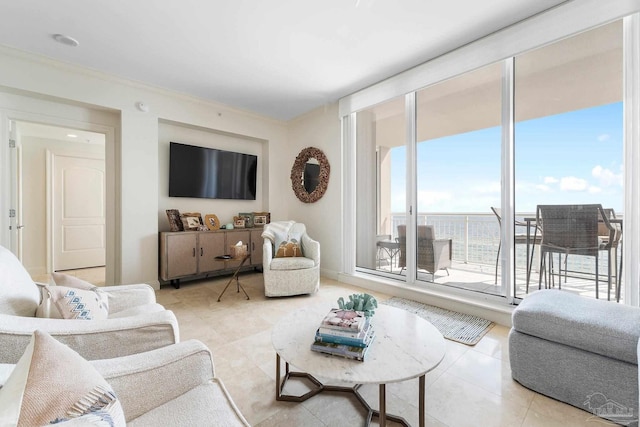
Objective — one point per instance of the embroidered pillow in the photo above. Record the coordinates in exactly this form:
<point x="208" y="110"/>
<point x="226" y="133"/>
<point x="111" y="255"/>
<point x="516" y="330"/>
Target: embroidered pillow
<point x="63" y="302"/>
<point x="51" y="384"/>
<point x="290" y="248"/>
<point x="49" y="309"/>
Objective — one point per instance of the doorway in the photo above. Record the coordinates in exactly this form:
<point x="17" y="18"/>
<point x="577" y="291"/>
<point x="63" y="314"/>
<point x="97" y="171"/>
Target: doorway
<point x="59" y="183"/>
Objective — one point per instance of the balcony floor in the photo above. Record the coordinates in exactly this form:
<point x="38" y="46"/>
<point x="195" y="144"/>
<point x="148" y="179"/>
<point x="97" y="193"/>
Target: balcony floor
<point x="481" y="278"/>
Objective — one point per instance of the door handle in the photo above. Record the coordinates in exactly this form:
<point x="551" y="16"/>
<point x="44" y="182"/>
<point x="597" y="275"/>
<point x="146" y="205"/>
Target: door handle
<point x="19" y="226"/>
<point x="201" y="252"/>
<point x="194" y="252"/>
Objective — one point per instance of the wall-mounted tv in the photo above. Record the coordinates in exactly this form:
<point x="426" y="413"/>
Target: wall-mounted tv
<point x="210" y="173"/>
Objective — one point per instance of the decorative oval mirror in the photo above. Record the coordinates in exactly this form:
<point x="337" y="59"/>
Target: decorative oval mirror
<point x="310" y="175"/>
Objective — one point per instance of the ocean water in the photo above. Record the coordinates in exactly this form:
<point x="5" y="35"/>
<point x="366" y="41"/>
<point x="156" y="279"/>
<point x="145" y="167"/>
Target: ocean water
<point x="476" y="238"/>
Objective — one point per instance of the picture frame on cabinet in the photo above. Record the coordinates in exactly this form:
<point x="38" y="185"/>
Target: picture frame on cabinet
<point x="259" y="220"/>
<point x="175" y="223"/>
<point x="238" y="222"/>
<point x="212" y="222"/>
<point x="248" y="219"/>
<point x="191" y="220"/>
<point x="265" y="218"/>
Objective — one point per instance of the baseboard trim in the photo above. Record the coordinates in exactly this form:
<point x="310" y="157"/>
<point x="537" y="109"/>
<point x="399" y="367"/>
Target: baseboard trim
<point x="496" y="311"/>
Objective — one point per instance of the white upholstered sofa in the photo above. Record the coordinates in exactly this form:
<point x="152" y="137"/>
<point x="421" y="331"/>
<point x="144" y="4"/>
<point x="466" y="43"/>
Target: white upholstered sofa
<point x="290" y="275"/>
<point x="135" y="323"/>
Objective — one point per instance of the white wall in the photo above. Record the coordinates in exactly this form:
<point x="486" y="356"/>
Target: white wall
<point x="136" y="155"/>
<point x="320" y="128"/>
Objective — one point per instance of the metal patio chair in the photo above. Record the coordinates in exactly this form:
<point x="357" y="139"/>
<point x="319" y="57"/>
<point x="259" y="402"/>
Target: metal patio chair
<point x="574" y="230"/>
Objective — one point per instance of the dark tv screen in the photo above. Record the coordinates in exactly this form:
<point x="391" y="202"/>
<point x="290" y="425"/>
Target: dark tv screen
<point x="210" y="173"/>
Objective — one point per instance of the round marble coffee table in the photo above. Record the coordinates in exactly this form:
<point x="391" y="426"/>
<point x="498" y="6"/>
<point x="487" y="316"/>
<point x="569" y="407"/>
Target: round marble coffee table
<point x="405" y="346"/>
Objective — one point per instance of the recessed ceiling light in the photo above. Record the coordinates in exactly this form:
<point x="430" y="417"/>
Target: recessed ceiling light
<point x="66" y="40"/>
<point x="71" y="135"/>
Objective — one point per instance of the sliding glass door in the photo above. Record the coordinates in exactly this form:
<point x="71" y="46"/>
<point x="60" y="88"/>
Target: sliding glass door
<point x="458" y="133"/>
<point x="569" y="140"/>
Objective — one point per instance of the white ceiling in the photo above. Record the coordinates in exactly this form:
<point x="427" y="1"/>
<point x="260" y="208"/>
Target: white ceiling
<point x="278" y="58"/>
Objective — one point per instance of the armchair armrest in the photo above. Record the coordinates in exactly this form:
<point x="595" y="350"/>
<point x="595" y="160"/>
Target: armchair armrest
<point x="125" y="296"/>
<point x="311" y="248"/>
<point x="91" y="339"/>
<point x="267" y="254"/>
<point x="145" y="381"/>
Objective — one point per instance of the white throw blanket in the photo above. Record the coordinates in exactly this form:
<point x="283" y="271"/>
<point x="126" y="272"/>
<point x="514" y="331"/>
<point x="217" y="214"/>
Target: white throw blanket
<point x="277" y="232"/>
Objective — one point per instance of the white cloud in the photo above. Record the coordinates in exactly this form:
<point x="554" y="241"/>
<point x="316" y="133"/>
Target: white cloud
<point x="606" y="177"/>
<point x="542" y="187"/>
<point x="593" y="189"/>
<point x="550" y="180"/>
<point x="572" y="183"/>
<point x="604" y="137"/>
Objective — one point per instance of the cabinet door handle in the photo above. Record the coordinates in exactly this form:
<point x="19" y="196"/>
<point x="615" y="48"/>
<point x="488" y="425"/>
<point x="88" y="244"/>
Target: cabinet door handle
<point x="194" y="252"/>
<point x="253" y="246"/>
<point x="201" y="252"/>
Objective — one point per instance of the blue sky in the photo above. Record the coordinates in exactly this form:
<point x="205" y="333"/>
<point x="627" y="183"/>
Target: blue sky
<point x="574" y="157"/>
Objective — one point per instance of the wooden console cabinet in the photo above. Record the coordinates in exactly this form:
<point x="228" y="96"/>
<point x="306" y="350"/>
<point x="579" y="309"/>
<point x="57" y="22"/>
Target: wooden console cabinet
<point x="189" y="254"/>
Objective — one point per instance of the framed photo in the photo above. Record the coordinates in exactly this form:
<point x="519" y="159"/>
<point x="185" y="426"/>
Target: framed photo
<point x="191" y="220"/>
<point x="212" y="222"/>
<point x="175" y="223"/>
<point x="266" y="215"/>
<point x="238" y="222"/>
<point x="248" y="219"/>
<point x="259" y="220"/>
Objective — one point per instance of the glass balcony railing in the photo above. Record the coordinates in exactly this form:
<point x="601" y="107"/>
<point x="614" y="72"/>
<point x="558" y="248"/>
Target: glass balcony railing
<point x="476" y="237"/>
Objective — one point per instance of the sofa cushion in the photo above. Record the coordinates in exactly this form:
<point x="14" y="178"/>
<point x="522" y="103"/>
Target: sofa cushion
<point x="207" y="404"/>
<point x="597" y="326"/>
<point x="52" y="383"/>
<point x="19" y="295"/>
<point x="294" y="263"/>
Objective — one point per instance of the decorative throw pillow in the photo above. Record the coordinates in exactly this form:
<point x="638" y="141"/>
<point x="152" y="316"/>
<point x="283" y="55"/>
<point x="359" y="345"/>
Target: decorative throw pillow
<point x="91" y="303"/>
<point x="63" y="302"/>
<point x="289" y="248"/>
<point x="52" y="383"/>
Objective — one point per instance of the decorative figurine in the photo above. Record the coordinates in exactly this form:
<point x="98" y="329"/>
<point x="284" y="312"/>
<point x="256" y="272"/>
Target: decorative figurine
<point x="359" y="302"/>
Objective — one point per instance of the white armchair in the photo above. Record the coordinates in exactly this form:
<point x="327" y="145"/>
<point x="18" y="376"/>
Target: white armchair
<point x="171" y="386"/>
<point x="136" y="323"/>
<point x="290" y="275"/>
<point x="174" y="385"/>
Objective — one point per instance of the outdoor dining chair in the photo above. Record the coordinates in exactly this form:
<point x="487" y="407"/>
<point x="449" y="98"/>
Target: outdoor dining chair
<point x="518" y="238"/>
<point x="573" y="230"/>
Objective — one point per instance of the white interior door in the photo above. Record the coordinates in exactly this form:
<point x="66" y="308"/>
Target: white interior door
<point x="77" y="198"/>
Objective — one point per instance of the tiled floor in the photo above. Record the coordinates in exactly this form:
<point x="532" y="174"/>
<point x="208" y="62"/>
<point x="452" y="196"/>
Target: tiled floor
<point x="471" y="387"/>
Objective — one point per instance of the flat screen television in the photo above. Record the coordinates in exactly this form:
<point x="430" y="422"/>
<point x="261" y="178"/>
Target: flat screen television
<point x="210" y="173"/>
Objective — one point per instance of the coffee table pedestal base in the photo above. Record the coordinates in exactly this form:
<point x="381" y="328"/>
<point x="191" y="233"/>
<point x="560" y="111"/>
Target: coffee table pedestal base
<point x="381" y="414"/>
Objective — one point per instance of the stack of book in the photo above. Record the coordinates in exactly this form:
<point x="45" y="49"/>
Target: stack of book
<point x="344" y="333"/>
